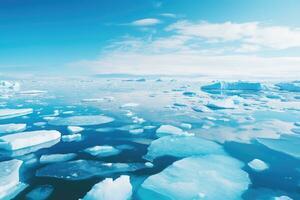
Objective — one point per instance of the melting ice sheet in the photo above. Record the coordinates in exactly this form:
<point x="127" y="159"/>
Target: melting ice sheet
<point x="149" y="138"/>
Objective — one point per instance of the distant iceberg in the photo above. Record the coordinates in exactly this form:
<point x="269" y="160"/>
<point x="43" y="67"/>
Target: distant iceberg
<point x="239" y="85"/>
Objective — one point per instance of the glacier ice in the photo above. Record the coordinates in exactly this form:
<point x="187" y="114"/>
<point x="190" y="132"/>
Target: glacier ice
<point x="85" y="120"/>
<point x="239" y="85"/>
<point x="208" y="177"/>
<point x="11" y="128"/>
<point x="181" y="147"/>
<point x="165" y="130"/>
<point x="27" y="139"/>
<point x="41" y="192"/>
<point x="85" y="169"/>
<point x="102" y="151"/>
<point x="258" y="165"/>
<point x="109" y="189"/>
<point x="11" y="113"/>
<point x="53" y="158"/>
<point x="75" y="129"/>
<point x="10" y="184"/>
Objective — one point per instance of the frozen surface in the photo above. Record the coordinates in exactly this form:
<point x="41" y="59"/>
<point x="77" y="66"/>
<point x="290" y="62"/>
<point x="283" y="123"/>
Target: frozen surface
<point x="198" y="178"/>
<point x="85" y="169"/>
<point x="11" y="128"/>
<point x="109" y="189"/>
<point x="182" y="147"/>
<point x="11" y="113"/>
<point x="81" y="120"/>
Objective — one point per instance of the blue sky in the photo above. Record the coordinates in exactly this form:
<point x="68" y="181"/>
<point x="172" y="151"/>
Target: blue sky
<point x="149" y="37"/>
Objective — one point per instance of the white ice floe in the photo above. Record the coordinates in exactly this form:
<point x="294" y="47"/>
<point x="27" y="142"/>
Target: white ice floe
<point x="221" y="104"/>
<point x="239" y="85"/>
<point x="165" y="130"/>
<point x="136" y="131"/>
<point x="11" y="113"/>
<point x="85" y="169"/>
<point x="181" y="147"/>
<point x="53" y="158"/>
<point x="109" y="189"/>
<point x="289" y="86"/>
<point x="40" y="124"/>
<point x="258" y="165"/>
<point x="11" y="128"/>
<point x="32" y="92"/>
<point x="207" y="177"/>
<point x="282" y="198"/>
<point x="71" y="138"/>
<point x="102" y="151"/>
<point x="10" y="184"/>
<point x="186" y="126"/>
<point x="85" y="120"/>
<point x="27" y="139"/>
<point x="288" y="144"/>
<point x="75" y="129"/>
<point x="42" y="192"/>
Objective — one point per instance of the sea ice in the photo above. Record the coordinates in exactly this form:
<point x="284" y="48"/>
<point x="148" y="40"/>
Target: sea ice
<point x="53" y="158"/>
<point x="129" y="105"/>
<point x="207" y="177"/>
<point x="11" y="128"/>
<point x="86" y="120"/>
<point x="221" y="104"/>
<point x="42" y="192"/>
<point x="75" y="129"/>
<point x="71" y="138"/>
<point x="85" y="169"/>
<point x="288" y="144"/>
<point x="109" y="189"/>
<point x="189" y="94"/>
<point x="27" y="139"/>
<point x="258" y="165"/>
<point x="239" y="85"/>
<point x="182" y="147"/>
<point x="165" y="130"/>
<point x="10" y="184"/>
<point x="186" y="126"/>
<point x="11" y="113"/>
<point x="291" y="87"/>
<point x="102" y="151"/>
<point x="136" y="131"/>
<point x="32" y="92"/>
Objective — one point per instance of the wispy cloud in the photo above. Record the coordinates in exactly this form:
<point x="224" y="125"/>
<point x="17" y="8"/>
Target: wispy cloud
<point x="146" y="22"/>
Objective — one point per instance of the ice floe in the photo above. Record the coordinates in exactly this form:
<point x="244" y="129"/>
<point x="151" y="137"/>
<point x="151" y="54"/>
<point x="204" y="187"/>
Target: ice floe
<point x="258" y="165"/>
<point x="11" y="128"/>
<point x="165" y="130"/>
<point x="197" y="178"/>
<point x="42" y="192"/>
<point x="221" y="104"/>
<point x="10" y="184"/>
<point x="102" y="151"/>
<point x="181" y="147"/>
<point x="53" y="158"/>
<point x="27" y="139"/>
<point x="109" y="189"/>
<point x="75" y="129"/>
<point x="71" y="138"/>
<point x="85" y="169"/>
<point x="11" y="113"/>
<point x="86" y="120"/>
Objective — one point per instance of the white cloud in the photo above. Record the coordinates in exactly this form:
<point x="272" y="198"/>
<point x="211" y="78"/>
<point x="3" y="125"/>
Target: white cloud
<point x="252" y="33"/>
<point x="146" y="22"/>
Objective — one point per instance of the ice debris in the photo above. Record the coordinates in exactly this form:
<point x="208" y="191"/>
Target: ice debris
<point x="102" y="151"/>
<point x="71" y="138"/>
<point x="258" y="165"/>
<point x="109" y="189"/>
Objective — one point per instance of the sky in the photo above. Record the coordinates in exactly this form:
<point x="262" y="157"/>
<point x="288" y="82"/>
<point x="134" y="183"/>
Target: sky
<point x="169" y="37"/>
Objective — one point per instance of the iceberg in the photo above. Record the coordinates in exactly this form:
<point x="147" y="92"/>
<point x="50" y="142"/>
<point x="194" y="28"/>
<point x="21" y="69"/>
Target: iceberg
<point x="53" y="158"/>
<point x="87" y="120"/>
<point x="288" y="144"/>
<point x="102" y="151"/>
<point x="27" y="139"/>
<point x="239" y="85"/>
<point x="258" y="165"/>
<point x="71" y="138"/>
<point x="182" y="147"/>
<point x="109" y="189"/>
<point x="165" y="130"/>
<point x="11" y="128"/>
<point x="10" y="185"/>
<point x="75" y="129"/>
<point x="12" y="113"/>
<point x="42" y="192"/>
<point x="197" y="178"/>
<point x="85" y="169"/>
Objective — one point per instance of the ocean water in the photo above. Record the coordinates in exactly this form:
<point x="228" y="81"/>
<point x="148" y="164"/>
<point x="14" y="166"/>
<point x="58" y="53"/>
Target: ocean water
<point x="256" y="115"/>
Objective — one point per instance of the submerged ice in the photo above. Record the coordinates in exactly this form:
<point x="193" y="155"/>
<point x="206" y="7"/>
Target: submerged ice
<point x="87" y="120"/>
